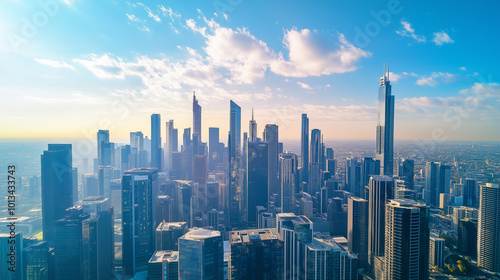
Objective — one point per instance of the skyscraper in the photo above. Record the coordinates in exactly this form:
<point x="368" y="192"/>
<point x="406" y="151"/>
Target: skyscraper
<point x="437" y="181"/>
<point x="156" y="142"/>
<point x="35" y="261"/>
<point x="357" y="228"/>
<point x="384" y="150"/>
<point x="304" y="149"/>
<point x="256" y="254"/>
<point x="168" y="234"/>
<point x="288" y="166"/>
<point x="57" y="190"/>
<point x="257" y="178"/>
<point x="169" y="147"/>
<point x="469" y="192"/>
<point x="252" y="130"/>
<point x="406" y="240"/>
<point x="488" y="233"/>
<point x="196" y="126"/>
<point x="315" y="162"/>
<point x="214" y="151"/>
<point x="138" y="189"/>
<point x="271" y="137"/>
<point x="370" y="167"/>
<point x="431" y="192"/>
<point x="234" y="154"/>
<point x="11" y="249"/>
<point x="73" y="248"/>
<point x="102" y="137"/>
<point x="406" y="172"/>
<point x="201" y="255"/>
<point x="296" y="231"/>
<point x="381" y="190"/>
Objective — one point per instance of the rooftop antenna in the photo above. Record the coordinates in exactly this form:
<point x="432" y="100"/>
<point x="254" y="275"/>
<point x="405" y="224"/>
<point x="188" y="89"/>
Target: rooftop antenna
<point x="388" y="72"/>
<point x="252" y="113"/>
<point x="384" y="68"/>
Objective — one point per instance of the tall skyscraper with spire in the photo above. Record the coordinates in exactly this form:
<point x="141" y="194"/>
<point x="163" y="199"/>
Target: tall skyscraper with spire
<point x="196" y="126"/>
<point x="234" y="155"/>
<point x="252" y="129"/>
<point x="385" y="126"/>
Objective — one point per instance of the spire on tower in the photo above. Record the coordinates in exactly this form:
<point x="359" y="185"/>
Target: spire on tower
<point x="388" y="72"/>
<point x="252" y="113"/>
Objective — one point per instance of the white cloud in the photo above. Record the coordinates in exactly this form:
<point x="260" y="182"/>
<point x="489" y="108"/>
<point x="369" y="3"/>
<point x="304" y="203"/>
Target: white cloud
<point x="168" y="12"/>
<point x="225" y="16"/>
<point x="442" y="38"/>
<point x="134" y="18"/>
<point x="311" y="55"/>
<point x="483" y="89"/>
<point x="395" y="77"/>
<point x="54" y="63"/>
<point x="463" y="68"/>
<point x="304" y="85"/>
<point x="150" y="13"/>
<point x="435" y="78"/>
<point x="246" y="57"/>
<point x="191" y="24"/>
<point x="407" y="31"/>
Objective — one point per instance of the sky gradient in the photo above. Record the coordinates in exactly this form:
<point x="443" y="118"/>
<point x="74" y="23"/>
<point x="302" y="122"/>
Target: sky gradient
<point x="72" y="67"/>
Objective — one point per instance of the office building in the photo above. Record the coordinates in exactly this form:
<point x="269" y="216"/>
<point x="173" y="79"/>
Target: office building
<point x="381" y="190"/>
<point x="406" y="240"/>
<point x="138" y="189"/>
<point x="256" y="254"/>
<point x="436" y="252"/>
<point x="304" y="149"/>
<point x="169" y="144"/>
<point x="11" y="261"/>
<point x="36" y="262"/>
<point x="201" y="255"/>
<point x="234" y="154"/>
<point x="357" y="228"/>
<point x="72" y="245"/>
<point x="488" y="233"/>
<point x="406" y="170"/>
<point x="271" y="138"/>
<point x="469" y="192"/>
<point x="164" y="265"/>
<point x="257" y="178"/>
<point x="167" y="235"/>
<point x="156" y="142"/>
<point x="316" y="156"/>
<point x="384" y="150"/>
<point x="467" y="237"/>
<point x="57" y="187"/>
<point x="196" y="126"/>
<point x="296" y="231"/>
<point x="370" y="167"/>
<point x="102" y="138"/>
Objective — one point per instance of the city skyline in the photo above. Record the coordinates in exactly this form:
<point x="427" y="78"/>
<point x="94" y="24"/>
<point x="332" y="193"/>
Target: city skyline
<point x="249" y="140"/>
<point x="119" y="85"/>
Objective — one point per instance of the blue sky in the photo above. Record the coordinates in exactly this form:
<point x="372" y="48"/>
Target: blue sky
<point x="72" y="67"/>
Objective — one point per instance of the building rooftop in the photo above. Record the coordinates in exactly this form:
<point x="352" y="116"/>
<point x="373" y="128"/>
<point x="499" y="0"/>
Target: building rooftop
<point x="160" y="256"/>
<point x="164" y="226"/>
<point x="382" y="178"/>
<point x="250" y="235"/>
<point x="200" y="234"/>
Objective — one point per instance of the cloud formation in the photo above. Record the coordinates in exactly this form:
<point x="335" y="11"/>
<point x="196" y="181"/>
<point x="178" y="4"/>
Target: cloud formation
<point x="441" y="38"/>
<point x="407" y="31"/>
<point x="54" y="63"/>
